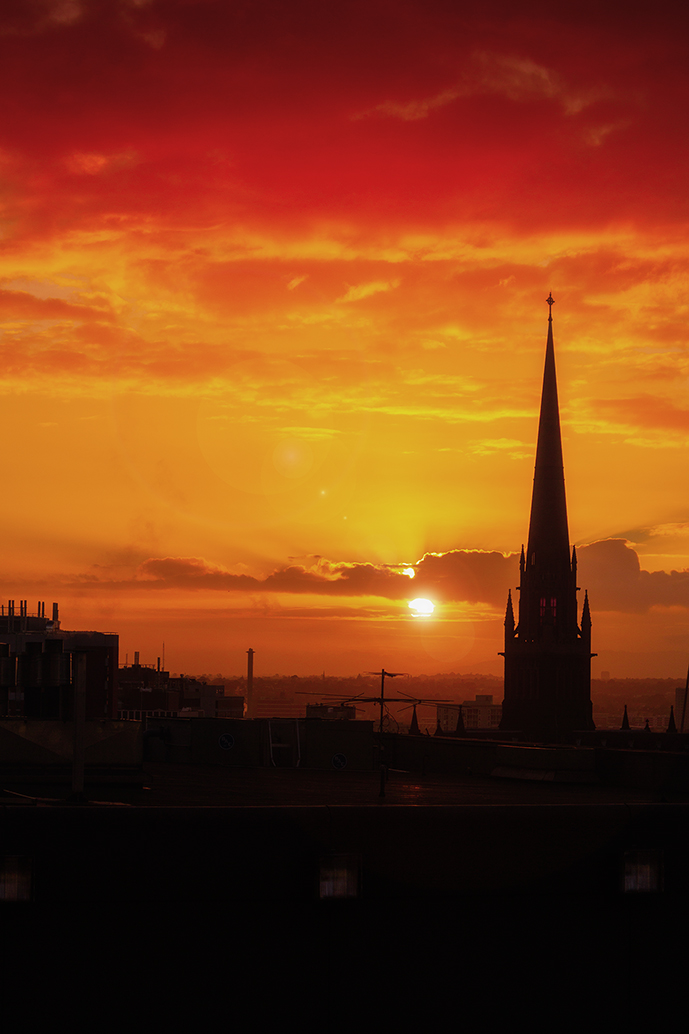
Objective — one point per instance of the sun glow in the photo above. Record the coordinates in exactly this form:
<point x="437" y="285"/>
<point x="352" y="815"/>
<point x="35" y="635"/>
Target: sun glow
<point x="409" y="571"/>
<point x="421" y="608"/>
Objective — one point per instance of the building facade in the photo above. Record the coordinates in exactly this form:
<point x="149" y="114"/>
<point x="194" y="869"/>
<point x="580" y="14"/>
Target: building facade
<point x="479" y="713"/>
<point x="38" y="662"/>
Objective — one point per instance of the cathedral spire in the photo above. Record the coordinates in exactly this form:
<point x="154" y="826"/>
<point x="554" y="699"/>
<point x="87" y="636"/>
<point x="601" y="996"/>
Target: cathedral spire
<point x="548" y="546"/>
<point x="547" y="653"/>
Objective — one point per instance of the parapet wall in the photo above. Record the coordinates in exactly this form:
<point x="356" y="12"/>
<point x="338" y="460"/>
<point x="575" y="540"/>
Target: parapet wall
<point x="262" y="742"/>
<point x="652" y="769"/>
<point x="42" y="751"/>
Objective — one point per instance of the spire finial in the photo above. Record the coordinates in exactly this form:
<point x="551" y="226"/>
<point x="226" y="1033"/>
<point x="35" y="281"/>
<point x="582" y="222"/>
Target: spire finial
<point x="551" y="301"/>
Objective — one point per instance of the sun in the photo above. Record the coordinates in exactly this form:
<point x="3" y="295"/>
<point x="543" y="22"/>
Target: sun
<point x="421" y="608"/>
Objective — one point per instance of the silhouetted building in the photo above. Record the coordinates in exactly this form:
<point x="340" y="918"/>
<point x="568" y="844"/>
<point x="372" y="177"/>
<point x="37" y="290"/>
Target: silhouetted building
<point x="198" y="696"/>
<point x="145" y="690"/>
<point x="479" y="713"/>
<point x="37" y="662"/>
<point x="230" y="707"/>
<point x="547" y="653"/>
<point x="332" y="712"/>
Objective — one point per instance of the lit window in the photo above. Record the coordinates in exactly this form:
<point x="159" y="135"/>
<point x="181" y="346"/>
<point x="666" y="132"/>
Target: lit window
<point x="643" y="872"/>
<point x="340" y="877"/>
<point x="15" y="878"/>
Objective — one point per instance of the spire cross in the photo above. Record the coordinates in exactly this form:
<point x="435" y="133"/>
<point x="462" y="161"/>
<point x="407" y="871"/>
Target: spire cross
<point x="551" y="301"/>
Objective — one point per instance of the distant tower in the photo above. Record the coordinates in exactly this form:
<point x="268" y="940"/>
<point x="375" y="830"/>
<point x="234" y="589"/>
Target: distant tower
<point x="547" y="654"/>
<point x="250" y="684"/>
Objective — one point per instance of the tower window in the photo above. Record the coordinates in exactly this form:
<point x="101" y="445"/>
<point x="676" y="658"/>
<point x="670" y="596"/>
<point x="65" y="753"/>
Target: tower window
<point x="553" y="605"/>
<point x="542" y="607"/>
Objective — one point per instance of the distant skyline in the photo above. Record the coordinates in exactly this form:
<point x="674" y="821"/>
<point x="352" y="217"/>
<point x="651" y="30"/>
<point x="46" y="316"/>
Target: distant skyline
<point x="272" y="301"/>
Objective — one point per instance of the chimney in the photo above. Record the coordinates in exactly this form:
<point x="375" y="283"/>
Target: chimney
<point x="136" y="658"/>
<point x="250" y="684"/>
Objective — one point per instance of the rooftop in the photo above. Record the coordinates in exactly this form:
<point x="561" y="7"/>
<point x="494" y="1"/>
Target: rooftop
<point x="186" y="785"/>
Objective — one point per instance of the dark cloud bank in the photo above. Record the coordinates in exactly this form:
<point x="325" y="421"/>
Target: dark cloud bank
<point x="609" y="570"/>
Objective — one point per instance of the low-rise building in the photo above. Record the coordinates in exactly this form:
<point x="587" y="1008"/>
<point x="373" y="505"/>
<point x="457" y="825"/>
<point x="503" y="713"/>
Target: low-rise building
<point x="146" y="690"/>
<point x="479" y="713"/>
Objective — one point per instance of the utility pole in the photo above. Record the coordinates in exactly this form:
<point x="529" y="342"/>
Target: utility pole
<point x="383" y="767"/>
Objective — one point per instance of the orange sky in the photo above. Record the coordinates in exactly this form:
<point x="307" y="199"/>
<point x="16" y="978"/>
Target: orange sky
<point x="273" y="283"/>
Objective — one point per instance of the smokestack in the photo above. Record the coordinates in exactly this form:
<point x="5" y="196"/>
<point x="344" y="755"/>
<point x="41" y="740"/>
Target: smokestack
<point x="159" y="664"/>
<point x="250" y="684"/>
<point x="136" y="658"/>
<point x="56" y="616"/>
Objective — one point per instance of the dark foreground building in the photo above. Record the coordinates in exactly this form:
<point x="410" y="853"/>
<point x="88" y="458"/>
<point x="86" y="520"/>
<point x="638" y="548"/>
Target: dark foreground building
<point x="548" y="653"/>
<point x="39" y="661"/>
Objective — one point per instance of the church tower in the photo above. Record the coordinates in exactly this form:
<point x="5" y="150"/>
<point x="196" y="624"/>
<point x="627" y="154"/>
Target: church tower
<point x="547" y="653"/>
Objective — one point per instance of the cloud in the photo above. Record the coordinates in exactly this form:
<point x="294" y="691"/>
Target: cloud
<point x="609" y="570"/>
<point x="64" y="12"/>
<point x="21" y="305"/>
<point x="645" y="411"/>
<point x="515" y="77"/>
<point x="514" y="448"/>
<point x="325" y="579"/>
<point x="670" y="530"/>
<point x="355" y="294"/>
<point x="473" y="576"/>
<point x="410" y="111"/>
<point x="470" y="575"/>
<point x="93" y="164"/>
<point x="311" y="434"/>
<point x="295" y="281"/>
<point x="40" y="16"/>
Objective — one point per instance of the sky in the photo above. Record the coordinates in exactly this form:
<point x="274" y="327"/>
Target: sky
<point x="273" y="321"/>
